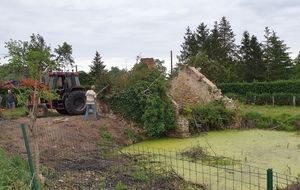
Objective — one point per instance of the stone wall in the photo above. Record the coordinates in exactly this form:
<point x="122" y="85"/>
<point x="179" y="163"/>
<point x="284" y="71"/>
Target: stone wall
<point x="192" y="87"/>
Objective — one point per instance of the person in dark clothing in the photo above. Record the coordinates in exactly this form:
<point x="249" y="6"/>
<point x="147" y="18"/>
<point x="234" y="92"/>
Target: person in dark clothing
<point x="64" y="89"/>
<point x="11" y="99"/>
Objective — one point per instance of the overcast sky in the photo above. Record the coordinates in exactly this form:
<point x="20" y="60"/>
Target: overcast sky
<point x="120" y="30"/>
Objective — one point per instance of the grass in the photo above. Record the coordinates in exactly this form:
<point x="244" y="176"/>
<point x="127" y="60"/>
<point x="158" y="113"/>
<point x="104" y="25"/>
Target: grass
<point x="271" y="110"/>
<point x="276" y="117"/>
<point x="15" y="173"/>
<point x="20" y="112"/>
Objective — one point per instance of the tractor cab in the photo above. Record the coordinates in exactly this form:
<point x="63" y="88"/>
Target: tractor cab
<point x="57" y="80"/>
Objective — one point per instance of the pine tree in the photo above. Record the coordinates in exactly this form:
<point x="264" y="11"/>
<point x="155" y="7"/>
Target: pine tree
<point x="189" y="46"/>
<point x="214" y="43"/>
<point x="222" y="50"/>
<point x="251" y="66"/>
<point x="276" y="57"/>
<point x="97" y="67"/>
<point x="98" y="72"/>
<point x="227" y="39"/>
<point x="296" y="68"/>
<point x="202" y="37"/>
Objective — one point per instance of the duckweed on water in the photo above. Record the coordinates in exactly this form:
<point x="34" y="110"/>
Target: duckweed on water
<point x="260" y="148"/>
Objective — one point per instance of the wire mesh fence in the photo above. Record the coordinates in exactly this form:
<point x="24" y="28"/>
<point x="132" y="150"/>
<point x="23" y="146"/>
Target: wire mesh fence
<point x="75" y="161"/>
<point x="212" y="176"/>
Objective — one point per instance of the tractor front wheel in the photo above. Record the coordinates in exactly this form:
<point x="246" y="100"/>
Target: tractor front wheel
<point x="42" y="110"/>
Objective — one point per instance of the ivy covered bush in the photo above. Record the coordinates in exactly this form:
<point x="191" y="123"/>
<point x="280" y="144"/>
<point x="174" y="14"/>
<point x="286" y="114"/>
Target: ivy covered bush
<point x="145" y="102"/>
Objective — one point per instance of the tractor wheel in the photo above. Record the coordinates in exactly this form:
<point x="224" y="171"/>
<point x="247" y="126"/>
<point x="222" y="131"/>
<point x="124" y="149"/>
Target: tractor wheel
<point x="42" y="111"/>
<point x="75" y="103"/>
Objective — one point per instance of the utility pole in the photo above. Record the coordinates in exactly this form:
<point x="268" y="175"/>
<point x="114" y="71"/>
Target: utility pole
<point x="171" y="61"/>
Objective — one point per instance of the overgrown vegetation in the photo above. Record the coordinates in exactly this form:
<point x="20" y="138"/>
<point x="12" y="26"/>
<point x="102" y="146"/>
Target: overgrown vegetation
<point x="270" y="117"/>
<point x="145" y="102"/>
<point x="111" y="170"/>
<point x="212" y="116"/>
<point x="15" y="173"/>
<point x="199" y="153"/>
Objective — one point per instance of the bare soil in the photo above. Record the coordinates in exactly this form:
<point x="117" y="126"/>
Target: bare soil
<point x="11" y="133"/>
<point x="73" y="160"/>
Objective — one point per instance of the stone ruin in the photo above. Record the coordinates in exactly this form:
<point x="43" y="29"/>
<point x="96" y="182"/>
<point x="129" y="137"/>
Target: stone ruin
<point x="192" y="87"/>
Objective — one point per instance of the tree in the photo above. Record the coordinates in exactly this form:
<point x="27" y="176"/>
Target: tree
<point x="31" y="60"/>
<point x="97" y="68"/>
<point x="85" y="79"/>
<point x="98" y="71"/>
<point x="251" y="66"/>
<point x="36" y="58"/>
<point x="64" y="55"/>
<point x="202" y="38"/>
<point x="296" y="68"/>
<point x="214" y="48"/>
<point x="276" y="57"/>
<point x="212" y="69"/>
<point x="189" y="46"/>
<point x="118" y="77"/>
<point x="227" y="38"/>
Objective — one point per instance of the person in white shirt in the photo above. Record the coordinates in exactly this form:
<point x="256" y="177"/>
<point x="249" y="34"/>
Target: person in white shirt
<point x="90" y="103"/>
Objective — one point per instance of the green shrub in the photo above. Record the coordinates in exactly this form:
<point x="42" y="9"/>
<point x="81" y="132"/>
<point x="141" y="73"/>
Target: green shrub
<point x="146" y="104"/>
<point x="121" y="186"/>
<point x="106" y="136"/>
<point x="130" y="134"/>
<point x="140" y="175"/>
<point x="212" y="116"/>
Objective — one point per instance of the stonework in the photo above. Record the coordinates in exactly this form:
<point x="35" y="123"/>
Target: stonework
<point x="182" y="130"/>
<point x="149" y="62"/>
<point x="192" y="87"/>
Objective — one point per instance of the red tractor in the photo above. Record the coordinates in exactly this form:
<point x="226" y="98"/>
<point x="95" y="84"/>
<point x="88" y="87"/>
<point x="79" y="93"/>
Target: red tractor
<point x="71" y="95"/>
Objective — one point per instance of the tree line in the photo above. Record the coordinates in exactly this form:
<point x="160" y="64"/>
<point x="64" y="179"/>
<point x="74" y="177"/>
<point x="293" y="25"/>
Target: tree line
<point x="215" y="53"/>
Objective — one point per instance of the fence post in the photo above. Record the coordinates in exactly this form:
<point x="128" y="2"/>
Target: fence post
<point x="29" y="157"/>
<point x="269" y="179"/>
<point x="294" y="100"/>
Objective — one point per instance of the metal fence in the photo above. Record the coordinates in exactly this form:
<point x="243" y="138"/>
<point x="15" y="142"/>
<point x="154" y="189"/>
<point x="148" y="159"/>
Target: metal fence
<point x="74" y="161"/>
<point x="233" y="176"/>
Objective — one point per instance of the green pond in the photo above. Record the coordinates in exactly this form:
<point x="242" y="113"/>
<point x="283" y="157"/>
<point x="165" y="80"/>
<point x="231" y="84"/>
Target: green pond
<point x="258" y="148"/>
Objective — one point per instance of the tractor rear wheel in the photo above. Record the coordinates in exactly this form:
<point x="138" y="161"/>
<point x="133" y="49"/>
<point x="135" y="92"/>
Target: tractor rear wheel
<point x="75" y="103"/>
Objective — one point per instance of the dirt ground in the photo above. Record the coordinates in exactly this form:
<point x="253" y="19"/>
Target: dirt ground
<point x="73" y="162"/>
<point x="11" y="134"/>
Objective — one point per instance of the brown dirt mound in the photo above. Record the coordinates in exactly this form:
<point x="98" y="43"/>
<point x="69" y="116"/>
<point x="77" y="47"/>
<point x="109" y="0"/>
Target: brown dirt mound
<point x="12" y="139"/>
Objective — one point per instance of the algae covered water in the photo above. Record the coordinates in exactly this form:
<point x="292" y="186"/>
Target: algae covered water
<point x="260" y="148"/>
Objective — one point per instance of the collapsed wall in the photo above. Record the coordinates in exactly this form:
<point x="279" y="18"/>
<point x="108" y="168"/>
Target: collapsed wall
<point x="192" y="87"/>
